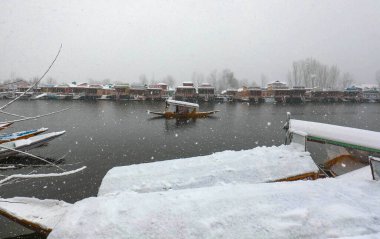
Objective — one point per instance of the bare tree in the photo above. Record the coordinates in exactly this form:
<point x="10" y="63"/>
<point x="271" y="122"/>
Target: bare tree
<point x="312" y="73"/>
<point x="169" y="80"/>
<point x="228" y="79"/>
<point x="212" y="78"/>
<point x="51" y="81"/>
<point x="143" y="79"/>
<point x="106" y="81"/>
<point x="347" y="80"/>
<point x="378" y="78"/>
<point x="197" y="78"/>
<point x="244" y="82"/>
<point x="333" y="76"/>
<point x="264" y="81"/>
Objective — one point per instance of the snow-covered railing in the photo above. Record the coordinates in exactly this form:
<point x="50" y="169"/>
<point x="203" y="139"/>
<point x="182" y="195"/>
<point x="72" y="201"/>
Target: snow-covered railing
<point x="360" y="139"/>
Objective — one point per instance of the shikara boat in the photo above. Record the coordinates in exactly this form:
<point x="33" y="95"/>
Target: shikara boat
<point x="14" y="147"/>
<point x="21" y="135"/>
<point x="183" y="110"/>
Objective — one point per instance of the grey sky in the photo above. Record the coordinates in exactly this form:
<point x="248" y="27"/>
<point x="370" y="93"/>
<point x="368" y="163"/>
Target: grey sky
<point x="121" y="40"/>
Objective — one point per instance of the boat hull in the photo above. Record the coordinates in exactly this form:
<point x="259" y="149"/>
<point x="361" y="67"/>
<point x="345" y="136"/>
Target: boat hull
<point x="21" y="135"/>
<point x="27" y="144"/>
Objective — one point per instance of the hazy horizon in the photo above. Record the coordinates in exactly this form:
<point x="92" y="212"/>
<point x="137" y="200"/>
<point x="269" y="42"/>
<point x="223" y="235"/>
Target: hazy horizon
<point x="121" y="40"/>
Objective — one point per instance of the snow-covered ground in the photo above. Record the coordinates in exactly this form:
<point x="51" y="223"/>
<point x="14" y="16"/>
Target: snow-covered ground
<point x="261" y="164"/>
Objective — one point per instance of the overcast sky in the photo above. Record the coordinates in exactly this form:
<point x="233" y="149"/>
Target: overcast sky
<point x="121" y="40"/>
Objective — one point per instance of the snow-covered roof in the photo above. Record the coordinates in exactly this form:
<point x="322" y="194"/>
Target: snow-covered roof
<point x="189" y="87"/>
<point x="351" y="137"/>
<point x="182" y="103"/>
<point x="258" y="165"/>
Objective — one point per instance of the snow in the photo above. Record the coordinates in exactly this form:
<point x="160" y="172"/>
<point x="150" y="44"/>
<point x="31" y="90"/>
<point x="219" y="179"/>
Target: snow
<point x="303" y="209"/>
<point x="182" y="103"/>
<point x="45" y="175"/>
<point x="45" y="213"/>
<point x="261" y="164"/>
<point x="362" y="173"/>
<point x="360" y="137"/>
<point x="217" y="196"/>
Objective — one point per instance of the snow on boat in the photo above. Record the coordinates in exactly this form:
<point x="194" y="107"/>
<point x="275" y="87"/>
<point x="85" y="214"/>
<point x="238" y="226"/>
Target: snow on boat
<point x="336" y="135"/>
<point x="35" y="214"/>
<point x="327" y="208"/>
<point x="346" y="148"/>
<point x="11" y="148"/>
<point x="239" y="207"/>
<point x="21" y="135"/>
<point x="258" y="165"/>
<point x="183" y="110"/>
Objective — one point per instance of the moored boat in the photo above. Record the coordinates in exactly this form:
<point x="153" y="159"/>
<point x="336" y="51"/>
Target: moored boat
<point x="183" y="110"/>
<point x="14" y="147"/>
<point x="21" y="135"/>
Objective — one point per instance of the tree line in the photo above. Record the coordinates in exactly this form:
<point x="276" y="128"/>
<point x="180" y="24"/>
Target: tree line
<point x="313" y="74"/>
<point x="308" y="72"/>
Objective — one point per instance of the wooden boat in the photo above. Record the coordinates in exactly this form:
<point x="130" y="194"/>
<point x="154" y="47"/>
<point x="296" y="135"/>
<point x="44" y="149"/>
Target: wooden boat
<point x="183" y="110"/>
<point x="14" y="147"/>
<point x="21" y="135"/>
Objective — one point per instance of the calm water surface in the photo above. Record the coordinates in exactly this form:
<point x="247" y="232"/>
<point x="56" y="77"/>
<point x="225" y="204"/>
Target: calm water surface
<point x="102" y="135"/>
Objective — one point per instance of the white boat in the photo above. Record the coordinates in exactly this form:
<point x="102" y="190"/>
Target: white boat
<point x="21" y="135"/>
<point x="13" y="148"/>
<point x="80" y="96"/>
<point x="104" y="97"/>
<point x="39" y="97"/>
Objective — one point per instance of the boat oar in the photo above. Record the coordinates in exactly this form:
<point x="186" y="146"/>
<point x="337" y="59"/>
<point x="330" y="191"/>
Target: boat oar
<point x="33" y="156"/>
<point x="7" y="113"/>
<point x="36" y="117"/>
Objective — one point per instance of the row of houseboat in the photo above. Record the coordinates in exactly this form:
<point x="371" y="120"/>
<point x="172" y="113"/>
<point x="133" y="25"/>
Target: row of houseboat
<point x="274" y="92"/>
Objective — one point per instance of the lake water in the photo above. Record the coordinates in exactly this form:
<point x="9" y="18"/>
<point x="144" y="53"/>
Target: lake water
<point x="102" y="135"/>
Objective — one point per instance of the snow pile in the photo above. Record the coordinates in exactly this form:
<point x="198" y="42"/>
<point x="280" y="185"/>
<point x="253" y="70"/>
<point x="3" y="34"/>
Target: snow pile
<point x="45" y="213"/>
<point x="261" y="164"/>
<point x="304" y="209"/>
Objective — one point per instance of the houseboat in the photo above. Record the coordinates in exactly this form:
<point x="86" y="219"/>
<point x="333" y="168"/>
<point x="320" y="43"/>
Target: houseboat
<point x="186" y="92"/>
<point x="325" y="96"/>
<point x="206" y="92"/>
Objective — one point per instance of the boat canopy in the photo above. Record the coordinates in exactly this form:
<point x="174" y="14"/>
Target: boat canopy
<point x="182" y="103"/>
<point x="337" y="135"/>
